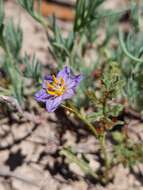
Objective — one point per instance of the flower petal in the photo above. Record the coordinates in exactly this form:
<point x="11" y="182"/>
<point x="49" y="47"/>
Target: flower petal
<point x="41" y="96"/>
<point x="73" y="81"/>
<point x="47" y="79"/>
<point x="68" y="94"/>
<point x="53" y="103"/>
<point x="65" y="73"/>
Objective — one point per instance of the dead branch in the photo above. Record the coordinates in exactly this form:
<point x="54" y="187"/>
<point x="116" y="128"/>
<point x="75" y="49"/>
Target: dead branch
<point x="11" y="102"/>
<point x="132" y="113"/>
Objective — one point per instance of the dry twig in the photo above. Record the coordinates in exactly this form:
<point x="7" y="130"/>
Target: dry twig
<point x="11" y="102"/>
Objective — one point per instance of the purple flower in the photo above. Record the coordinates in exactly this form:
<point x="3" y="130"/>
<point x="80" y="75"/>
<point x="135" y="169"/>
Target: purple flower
<point x="56" y="89"/>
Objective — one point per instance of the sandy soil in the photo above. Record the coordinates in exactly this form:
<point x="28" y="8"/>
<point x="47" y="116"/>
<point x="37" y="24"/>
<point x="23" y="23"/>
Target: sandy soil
<point x="28" y="147"/>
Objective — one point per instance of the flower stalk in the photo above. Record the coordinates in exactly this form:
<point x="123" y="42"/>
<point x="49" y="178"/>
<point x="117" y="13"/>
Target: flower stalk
<point x="101" y="138"/>
<point x="102" y="141"/>
<point x="82" y="118"/>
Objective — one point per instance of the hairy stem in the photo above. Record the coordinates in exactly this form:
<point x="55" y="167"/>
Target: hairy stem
<point x="124" y="48"/>
<point x="82" y="118"/>
<point x="102" y="141"/>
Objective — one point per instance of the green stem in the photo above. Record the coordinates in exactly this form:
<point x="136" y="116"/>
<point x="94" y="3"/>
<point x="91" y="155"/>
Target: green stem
<point x="102" y="141"/>
<point x="80" y="162"/>
<point x="82" y="118"/>
<point x="41" y="20"/>
<point x="125" y="49"/>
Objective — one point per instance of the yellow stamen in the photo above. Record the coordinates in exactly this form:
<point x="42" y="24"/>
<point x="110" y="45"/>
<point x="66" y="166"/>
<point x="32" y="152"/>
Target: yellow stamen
<point x="59" y="93"/>
<point x="62" y="81"/>
<point x="50" y="86"/>
<point x="51" y="92"/>
<point x="57" y="87"/>
<point x="55" y="79"/>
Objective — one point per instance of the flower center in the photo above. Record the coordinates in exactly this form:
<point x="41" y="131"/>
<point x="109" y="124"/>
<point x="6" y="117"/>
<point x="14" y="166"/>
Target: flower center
<point x="57" y="87"/>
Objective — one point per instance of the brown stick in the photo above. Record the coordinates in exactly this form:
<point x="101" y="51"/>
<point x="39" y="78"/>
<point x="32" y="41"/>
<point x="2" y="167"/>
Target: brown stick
<point x="60" y="11"/>
<point x="132" y="113"/>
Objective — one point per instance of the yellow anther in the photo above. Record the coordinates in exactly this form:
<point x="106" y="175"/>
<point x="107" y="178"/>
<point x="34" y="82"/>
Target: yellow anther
<point x="62" y="81"/>
<point x="50" y="86"/>
<point x="59" y="93"/>
<point x="51" y="92"/>
<point x="55" y="79"/>
<point x="62" y="88"/>
<point x="57" y="87"/>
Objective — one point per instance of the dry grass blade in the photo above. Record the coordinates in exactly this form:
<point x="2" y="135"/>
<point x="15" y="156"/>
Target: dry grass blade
<point x="11" y="102"/>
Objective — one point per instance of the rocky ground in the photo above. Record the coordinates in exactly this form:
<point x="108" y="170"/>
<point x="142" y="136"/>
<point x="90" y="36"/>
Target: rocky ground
<point x="28" y="146"/>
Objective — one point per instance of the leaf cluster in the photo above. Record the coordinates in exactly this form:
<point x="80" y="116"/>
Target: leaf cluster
<point x="131" y="66"/>
<point x="103" y="100"/>
<point x="11" y="39"/>
<point x="28" y="5"/>
<point x="126" y="151"/>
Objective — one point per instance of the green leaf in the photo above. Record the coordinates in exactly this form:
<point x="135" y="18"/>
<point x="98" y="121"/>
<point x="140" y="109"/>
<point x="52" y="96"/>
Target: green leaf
<point x="95" y="116"/>
<point x="1" y="12"/>
<point x="28" y="5"/>
<point x="33" y="67"/>
<point x="84" y="166"/>
<point x="119" y="137"/>
<point x="85" y="11"/>
<point x="17" y="84"/>
<point x="125" y="50"/>
<point x="13" y="37"/>
<point x="115" y="110"/>
<point x="113" y="81"/>
<point x="1" y="22"/>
